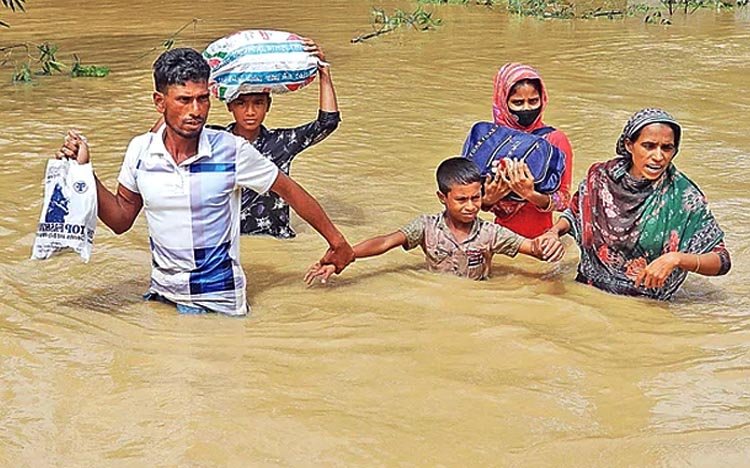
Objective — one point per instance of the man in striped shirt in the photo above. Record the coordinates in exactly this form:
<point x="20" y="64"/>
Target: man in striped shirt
<point x="189" y="179"/>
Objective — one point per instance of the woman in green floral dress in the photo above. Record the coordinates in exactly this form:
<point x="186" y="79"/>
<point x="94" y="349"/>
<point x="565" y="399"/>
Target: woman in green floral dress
<point x="640" y="223"/>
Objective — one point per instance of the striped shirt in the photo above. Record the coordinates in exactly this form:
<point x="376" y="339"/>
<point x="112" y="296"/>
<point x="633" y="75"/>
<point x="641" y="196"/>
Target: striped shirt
<point x="192" y="210"/>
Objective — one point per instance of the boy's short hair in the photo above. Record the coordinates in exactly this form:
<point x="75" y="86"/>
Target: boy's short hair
<point x="178" y="66"/>
<point x="454" y="171"/>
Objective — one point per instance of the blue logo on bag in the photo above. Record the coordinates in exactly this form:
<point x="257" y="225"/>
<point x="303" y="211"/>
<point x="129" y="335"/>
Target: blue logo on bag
<point x="80" y="186"/>
<point x="488" y="142"/>
<point x="58" y="206"/>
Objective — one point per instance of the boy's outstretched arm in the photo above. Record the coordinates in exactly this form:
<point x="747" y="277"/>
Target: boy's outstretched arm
<point x="367" y="248"/>
<point x="379" y="245"/>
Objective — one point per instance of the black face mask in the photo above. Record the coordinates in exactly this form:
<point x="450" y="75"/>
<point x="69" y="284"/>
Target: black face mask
<point x="527" y="117"/>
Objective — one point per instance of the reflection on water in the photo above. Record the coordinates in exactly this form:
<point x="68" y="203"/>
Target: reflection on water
<point x="388" y="364"/>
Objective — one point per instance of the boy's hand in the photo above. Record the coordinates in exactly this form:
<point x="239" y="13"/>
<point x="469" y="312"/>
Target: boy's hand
<point x="312" y="48"/>
<point x="316" y="270"/>
<point x="548" y="247"/>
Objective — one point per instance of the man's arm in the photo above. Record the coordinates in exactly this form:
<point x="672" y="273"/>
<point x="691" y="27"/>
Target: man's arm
<point x="118" y="211"/>
<point x="339" y="253"/>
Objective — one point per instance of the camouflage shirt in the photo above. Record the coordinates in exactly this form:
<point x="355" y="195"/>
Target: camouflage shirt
<point x="471" y="258"/>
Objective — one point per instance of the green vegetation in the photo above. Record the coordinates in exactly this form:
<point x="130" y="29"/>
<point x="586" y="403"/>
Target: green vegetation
<point x="542" y="8"/>
<point x="92" y="71"/>
<point x="383" y="23"/>
<point x="13" y="5"/>
<point x="566" y="9"/>
<point x="41" y="60"/>
<point x="33" y="60"/>
<point x="48" y="59"/>
<point x="463" y="2"/>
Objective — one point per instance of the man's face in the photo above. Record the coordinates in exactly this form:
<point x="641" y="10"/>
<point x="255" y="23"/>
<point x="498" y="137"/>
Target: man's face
<point x="249" y="110"/>
<point x="184" y="107"/>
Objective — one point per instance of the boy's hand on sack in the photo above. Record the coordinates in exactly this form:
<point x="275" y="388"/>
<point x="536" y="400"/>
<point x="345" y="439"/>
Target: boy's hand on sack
<point x="312" y="48"/>
<point x="76" y="146"/>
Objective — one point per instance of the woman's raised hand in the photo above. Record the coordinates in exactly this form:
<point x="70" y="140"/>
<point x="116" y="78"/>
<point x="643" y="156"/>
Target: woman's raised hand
<point x="519" y="178"/>
<point x="495" y="187"/>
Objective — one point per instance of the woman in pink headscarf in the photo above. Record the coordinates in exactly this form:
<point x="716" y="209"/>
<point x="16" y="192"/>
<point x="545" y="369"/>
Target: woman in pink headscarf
<point x="519" y="102"/>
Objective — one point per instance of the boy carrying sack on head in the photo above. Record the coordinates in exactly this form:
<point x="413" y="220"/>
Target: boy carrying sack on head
<point x="455" y="241"/>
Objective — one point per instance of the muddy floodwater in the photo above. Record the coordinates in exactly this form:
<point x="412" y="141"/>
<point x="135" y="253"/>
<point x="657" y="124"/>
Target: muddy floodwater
<point x="387" y="365"/>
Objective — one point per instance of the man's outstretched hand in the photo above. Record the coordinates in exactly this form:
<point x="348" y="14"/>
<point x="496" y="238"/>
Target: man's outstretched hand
<point x="339" y="255"/>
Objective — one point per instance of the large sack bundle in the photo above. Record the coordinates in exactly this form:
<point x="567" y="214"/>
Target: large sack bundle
<point x="258" y="61"/>
<point x="487" y="143"/>
<point x="68" y="219"/>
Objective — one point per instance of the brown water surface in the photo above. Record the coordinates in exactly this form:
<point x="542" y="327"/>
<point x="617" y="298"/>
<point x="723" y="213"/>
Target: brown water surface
<point x="388" y="364"/>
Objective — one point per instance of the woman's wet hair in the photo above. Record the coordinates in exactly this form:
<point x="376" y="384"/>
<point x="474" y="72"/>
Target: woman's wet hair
<point x="529" y="81"/>
<point x="178" y="66"/>
<point x="454" y="171"/>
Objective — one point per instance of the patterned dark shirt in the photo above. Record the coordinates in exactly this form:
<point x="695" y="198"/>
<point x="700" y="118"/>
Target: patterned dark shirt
<point x="268" y="214"/>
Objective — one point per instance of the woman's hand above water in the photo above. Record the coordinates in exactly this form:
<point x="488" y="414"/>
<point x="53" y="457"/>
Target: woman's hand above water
<point x="656" y="273"/>
<point x="520" y="179"/>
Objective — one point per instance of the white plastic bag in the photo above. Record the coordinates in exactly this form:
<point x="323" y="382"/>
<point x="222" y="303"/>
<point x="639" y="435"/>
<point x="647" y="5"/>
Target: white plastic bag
<point x="258" y="61"/>
<point x="68" y="219"/>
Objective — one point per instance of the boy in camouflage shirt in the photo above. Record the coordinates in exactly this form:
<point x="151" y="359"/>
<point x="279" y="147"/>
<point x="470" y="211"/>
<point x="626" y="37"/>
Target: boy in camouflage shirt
<point x="455" y="241"/>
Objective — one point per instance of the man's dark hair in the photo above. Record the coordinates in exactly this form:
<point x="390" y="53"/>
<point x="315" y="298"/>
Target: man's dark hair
<point x="178" y="66"/>
<point x="454" y="171"/>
